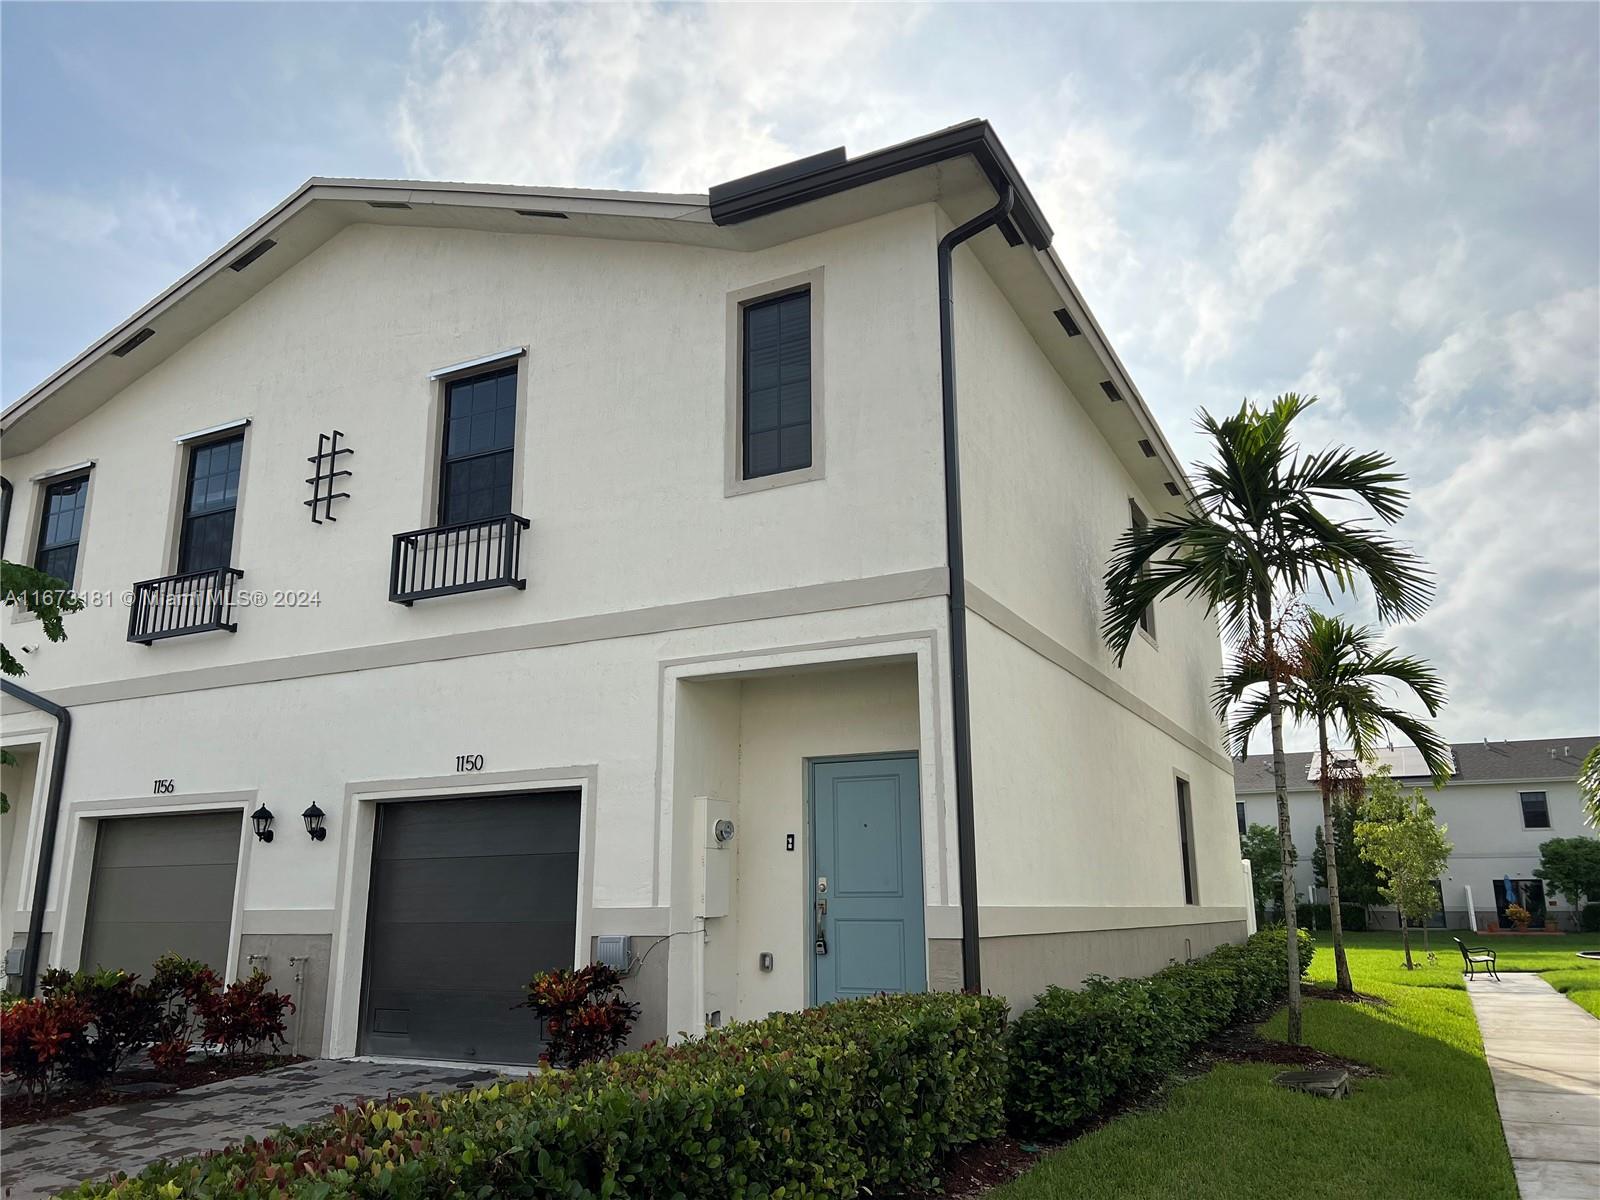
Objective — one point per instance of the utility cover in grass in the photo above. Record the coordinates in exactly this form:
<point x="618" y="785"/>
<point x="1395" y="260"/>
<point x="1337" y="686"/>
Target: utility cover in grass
<point x="1333" y="1083"/>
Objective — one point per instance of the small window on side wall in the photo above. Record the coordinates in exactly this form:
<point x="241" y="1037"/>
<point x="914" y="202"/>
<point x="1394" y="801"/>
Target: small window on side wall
<point x="775" y="385"/>
<point x="1147" y="618"/>
<point x="61" y="528"/>
<point x="1535" y="810"/>
<point x="480" y="429"/>
<point x="1186" y="841"/>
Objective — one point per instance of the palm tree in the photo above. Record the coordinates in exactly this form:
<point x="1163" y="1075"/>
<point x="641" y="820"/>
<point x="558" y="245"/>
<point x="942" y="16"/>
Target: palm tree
<point x="1254" y="537"/>
<point x="1589" y="785"/>
<point x="1341" y="683"/>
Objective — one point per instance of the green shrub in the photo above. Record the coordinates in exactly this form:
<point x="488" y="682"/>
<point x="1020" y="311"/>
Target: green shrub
<point x="1075" y="1053"/>
<point x="852" y="1097"/>
<point x="1589" y="919"/>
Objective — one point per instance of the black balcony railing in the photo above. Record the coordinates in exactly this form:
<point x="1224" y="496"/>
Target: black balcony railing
<point x="180" y="604"/>
<point x="449" y="559"/>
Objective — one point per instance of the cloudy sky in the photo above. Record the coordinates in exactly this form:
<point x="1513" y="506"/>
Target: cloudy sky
<point x="1394" y="208"/>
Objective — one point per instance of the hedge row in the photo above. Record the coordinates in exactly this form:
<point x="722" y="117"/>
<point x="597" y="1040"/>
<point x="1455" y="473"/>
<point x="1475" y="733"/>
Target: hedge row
<point x="1075" y="1053"/>
<point x="865" y="1096"/>
<point x="858" y="1097"/>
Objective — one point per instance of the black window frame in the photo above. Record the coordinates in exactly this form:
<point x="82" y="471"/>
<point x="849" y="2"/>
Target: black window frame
<point x="50" y="487"/>
<point x="188" y="519"/>
<point x="447" y="459"/>
<point x="746" y="310"/>
<point x="1543" y="806"/>
<point x="1239" y="812"/>
<point x="1186" y="839"/>
<point x="1147" y="618"/>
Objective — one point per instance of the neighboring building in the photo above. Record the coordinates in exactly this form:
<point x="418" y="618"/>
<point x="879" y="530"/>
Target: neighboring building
<point x="643" y="534"/>
<point x="1504" y="799"/>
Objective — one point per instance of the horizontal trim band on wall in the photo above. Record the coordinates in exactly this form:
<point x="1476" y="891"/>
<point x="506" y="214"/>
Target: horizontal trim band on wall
<point x="1042" y="644"/>
<point x="1004" y="920"/>
<point x="665" y="618"/>
<point x="644" y="921"/>
<point x="286" y="920"/>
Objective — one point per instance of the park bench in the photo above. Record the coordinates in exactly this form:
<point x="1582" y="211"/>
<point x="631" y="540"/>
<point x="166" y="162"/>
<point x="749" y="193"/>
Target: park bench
<point x="1473" y="955"/>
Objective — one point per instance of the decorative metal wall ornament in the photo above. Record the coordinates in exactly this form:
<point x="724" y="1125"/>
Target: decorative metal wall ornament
<point x="325" y="476"/>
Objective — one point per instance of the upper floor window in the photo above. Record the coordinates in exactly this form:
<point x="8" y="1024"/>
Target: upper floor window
<point x="480" y="427"/>
<point x="1147" y="618"/>
<point x="61" y="527"/>
<point x="1186" y="841"/>
<point x="1535" y="811"/>
<point x="776" y="385"/>
<point x="773" y="428"/>
<point x="211" y="500"/>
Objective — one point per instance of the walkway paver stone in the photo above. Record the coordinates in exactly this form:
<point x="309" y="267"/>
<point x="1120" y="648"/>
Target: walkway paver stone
<point x="39" y="1160"/>
<point x="1544" y="1057"/>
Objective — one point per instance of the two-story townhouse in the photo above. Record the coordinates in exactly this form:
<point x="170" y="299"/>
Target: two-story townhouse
<point x="659" y="595"/>
<point x="1502" y="802"/>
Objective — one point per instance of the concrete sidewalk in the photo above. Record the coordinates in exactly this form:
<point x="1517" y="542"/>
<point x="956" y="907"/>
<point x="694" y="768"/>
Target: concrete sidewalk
<point x="1544" y="1055"/>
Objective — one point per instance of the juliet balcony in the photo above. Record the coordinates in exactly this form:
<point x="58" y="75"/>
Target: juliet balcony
<point x="450" y="559"/>
<point x="197" y="602"/>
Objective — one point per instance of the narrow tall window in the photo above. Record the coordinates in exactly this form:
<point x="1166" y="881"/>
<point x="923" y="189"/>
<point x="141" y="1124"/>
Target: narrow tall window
<point x="60" y="527"/>
<point x="1238" y="811"/>
<point x="480" y="428"/>
<point x="1535" y="811"/>
<point x="1147" y="618"/>
<point x="210" y="503"/>
<point x="1186" y="840"/>
<point x="776" y="385"/>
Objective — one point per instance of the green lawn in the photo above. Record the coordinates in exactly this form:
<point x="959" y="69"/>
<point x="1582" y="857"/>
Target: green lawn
<point x="1428" y="1128"/>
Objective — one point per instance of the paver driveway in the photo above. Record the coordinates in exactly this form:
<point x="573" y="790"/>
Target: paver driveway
<point x="39" y="1160"/>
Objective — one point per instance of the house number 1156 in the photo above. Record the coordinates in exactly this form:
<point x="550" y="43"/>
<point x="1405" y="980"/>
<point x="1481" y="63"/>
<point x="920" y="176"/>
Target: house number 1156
<point x="469" y="762"/>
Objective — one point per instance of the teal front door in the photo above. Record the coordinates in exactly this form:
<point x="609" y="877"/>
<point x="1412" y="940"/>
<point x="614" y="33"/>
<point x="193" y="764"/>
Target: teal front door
<point x="866" y="885"/>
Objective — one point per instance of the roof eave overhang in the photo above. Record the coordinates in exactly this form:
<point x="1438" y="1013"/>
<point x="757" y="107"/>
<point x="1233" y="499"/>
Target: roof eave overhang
<point x="832" y="172"/>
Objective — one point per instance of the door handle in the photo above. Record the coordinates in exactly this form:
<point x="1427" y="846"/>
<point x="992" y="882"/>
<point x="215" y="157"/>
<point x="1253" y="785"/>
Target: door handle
<point x="821" y="946"/>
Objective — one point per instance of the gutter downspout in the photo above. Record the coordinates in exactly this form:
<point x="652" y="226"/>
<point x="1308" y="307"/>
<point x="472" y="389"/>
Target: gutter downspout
<point x="961" y="708"/>
<point x="52" y="818"/>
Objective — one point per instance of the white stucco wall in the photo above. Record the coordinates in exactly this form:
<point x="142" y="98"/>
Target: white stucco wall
<point x="620" y="461"/>
<point x="1074" y="765"/>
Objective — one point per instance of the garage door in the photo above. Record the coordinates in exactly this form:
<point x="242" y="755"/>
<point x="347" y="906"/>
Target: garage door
<point x="469" y="899"/>
<point x="159" y="884"/>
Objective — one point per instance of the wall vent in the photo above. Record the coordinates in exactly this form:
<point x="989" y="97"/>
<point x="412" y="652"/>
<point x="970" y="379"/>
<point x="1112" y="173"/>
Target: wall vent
<point x="1110" y="389"/>
<point x="387" y="204"/>
<point x="1149" y="450"/>
<point x="250" y="255"/>
<point x="1172" y="489"/>
<point x="133" y="343"/>
<point x="539" y="212"/>
<point x="1067" y="322"/>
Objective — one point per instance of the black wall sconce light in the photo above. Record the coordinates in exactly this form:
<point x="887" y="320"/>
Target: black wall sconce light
<point x="314" y="817"/>
<point x="262" y="820"/>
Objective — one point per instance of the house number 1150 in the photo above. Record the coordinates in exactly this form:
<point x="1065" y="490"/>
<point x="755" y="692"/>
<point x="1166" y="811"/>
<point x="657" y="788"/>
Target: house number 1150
<point x="469" y="762"/>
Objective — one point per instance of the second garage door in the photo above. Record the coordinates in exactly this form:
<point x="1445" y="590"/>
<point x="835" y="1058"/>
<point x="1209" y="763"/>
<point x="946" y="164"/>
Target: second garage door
<point x="469" y="899"/>
<point x="159" y="884"/>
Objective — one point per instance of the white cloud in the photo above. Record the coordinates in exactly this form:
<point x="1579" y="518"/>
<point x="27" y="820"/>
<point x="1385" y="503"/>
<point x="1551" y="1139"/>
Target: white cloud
<point x="661" y="97"/>
<point x="1534" y="358"/>
<point x="1513" y="534"/>
<point x="1221" y="94"/>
